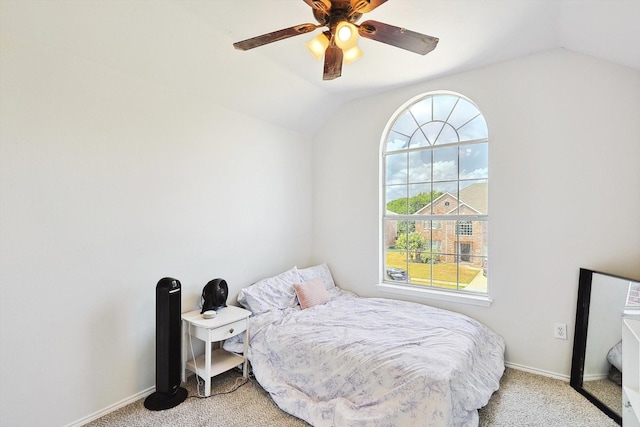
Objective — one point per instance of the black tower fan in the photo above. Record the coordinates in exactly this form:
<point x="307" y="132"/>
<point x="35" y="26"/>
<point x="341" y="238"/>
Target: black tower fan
<point x="168" y="347"/>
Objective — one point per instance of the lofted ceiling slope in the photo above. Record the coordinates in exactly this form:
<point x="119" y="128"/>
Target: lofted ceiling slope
<point x="186" y="45"/>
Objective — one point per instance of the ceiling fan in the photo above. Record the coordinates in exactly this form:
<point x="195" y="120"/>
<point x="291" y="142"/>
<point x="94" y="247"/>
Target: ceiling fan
<point x="339" y="43"/>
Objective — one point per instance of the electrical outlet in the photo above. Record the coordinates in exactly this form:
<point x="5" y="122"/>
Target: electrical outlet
<point x="560" y="331"/>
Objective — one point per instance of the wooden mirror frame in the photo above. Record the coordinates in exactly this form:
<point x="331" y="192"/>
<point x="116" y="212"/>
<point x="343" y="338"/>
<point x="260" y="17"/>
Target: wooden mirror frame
<point x="580" y="341"/>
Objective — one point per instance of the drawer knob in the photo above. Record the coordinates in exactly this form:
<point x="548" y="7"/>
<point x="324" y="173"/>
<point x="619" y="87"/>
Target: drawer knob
<point x="231" y="330"/>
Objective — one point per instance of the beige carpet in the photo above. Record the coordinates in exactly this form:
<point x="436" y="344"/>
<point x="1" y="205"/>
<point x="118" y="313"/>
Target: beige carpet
<point x="524" y="400"/>
<point x="528" y="400"/>
<point x="607" y="392"/>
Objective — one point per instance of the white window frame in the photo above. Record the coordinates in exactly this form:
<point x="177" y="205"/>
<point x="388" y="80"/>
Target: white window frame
<point x="405" y="289"/>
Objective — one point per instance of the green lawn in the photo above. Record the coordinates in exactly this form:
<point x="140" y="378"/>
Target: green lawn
<point x="442" y="272"/>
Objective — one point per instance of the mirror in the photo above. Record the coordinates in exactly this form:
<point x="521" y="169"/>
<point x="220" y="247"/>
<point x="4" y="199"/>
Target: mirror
<point x="603" y="299"/>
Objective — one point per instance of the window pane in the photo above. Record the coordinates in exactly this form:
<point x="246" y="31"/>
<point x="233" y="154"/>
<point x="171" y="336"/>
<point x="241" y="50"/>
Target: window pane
<point x="396" y="266"/>
<point x="405" y="124"/>
<point x="396" y="199"/>
<point x="420" y="199"/>
<point x="441" y="271"/>
<point x="418" y="140"/>
<point x="399" y="253"/>
<point x="447" y="135"/>
<point x="472" y="274"/>
<point x="474" y="161"/>
<point x="422" y="111"/>
<point x="471" y="236"/>
<point x="447" y="201"/>
<point x="473" y="197"/>
<point x="420" y="166"/>
<point x="442" y="106"/>
<point x="390" y="233"/>
<point x="396" y="168"/>
<point x="397" y="141"/>
<point x="423" y="228"/>
<point x="466" y="272"/>
<point x="463" y="112"/>
<point x="445" y="239"/>
<point x="420" y="269"/>
<point x="445" y="163"/>
<point x="475" y="129"/>
<point x="471" y="240"/>
<point x="432" y="130"/>
<point x="483" y="228"/>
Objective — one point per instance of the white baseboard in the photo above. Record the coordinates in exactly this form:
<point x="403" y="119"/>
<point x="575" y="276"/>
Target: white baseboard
<point x="537" y="371"/>
<point x="595" y="377"/>
<point x="150" y="390"/>
<point x="111" y="408"/>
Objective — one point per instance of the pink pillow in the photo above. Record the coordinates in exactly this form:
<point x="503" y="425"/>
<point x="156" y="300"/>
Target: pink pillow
<point x="311" y="293"/>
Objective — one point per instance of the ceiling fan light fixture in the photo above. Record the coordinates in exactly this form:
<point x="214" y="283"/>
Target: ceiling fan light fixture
<point x="318" y="45"/>
<point x="338" y="44"/>
<point x="346" y="35"/>
<point x="352" y="54"/>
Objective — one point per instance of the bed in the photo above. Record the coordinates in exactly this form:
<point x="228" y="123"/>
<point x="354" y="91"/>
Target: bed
<point x="614" y="357"/>
<point x="332" y="358"/>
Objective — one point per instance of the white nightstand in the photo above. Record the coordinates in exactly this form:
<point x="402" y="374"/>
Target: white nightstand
<point x="229" y="321"/>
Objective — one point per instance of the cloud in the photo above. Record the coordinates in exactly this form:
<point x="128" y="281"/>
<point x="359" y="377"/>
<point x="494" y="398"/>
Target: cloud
<point x="477" y="173"/>
<point x="445" y="170"/>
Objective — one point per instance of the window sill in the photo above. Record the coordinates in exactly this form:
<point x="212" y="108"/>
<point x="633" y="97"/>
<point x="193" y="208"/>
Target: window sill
<point x="433" y="294"/>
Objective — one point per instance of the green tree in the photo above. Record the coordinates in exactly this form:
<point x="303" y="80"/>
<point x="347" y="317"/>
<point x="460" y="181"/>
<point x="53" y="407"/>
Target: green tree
<point x="398" y="206"/>
<point x="414" y="243"/>
<point x="403" y="206"/>
<point x="421" y="200"/>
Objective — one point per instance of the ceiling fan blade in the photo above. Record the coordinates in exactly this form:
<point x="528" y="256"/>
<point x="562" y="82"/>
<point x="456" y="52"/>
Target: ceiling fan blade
<point x="332" y="63"/>
<point x="398" y="37"/>
<point x="274" y="36"/>
<point x="364" y="6"/>
<point x="322" y="5"/>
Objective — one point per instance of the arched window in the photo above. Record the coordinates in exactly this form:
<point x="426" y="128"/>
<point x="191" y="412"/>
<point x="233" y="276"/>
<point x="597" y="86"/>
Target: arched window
<point x="435" y="163"/>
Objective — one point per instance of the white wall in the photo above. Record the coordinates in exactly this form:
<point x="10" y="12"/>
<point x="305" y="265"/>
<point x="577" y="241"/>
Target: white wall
<point x="109" y="183"/>
<point x="111" y="179"/>
<point x="564" y="191"/>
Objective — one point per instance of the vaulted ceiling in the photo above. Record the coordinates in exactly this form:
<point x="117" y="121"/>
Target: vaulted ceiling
<point x="186" y="45"/>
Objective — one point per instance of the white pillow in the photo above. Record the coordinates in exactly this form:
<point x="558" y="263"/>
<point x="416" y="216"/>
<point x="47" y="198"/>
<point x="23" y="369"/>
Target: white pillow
<point x="321" y="272"/>
<point x="271" y="293"/>
<point x="614" y="356"/>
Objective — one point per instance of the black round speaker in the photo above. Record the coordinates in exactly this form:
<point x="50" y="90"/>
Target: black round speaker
<point x="214" y="295"/>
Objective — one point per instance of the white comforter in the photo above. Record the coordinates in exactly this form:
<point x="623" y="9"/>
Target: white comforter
<point x="375" y="362"/>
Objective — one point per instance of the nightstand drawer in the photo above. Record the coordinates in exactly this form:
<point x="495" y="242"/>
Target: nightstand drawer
<point x="227" y="331"/>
